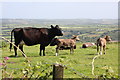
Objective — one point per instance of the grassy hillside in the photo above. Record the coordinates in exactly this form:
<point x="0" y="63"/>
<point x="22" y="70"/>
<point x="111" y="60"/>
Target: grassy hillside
<point x="78" y="64"/>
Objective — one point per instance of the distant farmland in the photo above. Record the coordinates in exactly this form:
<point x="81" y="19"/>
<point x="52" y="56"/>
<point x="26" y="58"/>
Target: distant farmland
<point x="88" y="29"/>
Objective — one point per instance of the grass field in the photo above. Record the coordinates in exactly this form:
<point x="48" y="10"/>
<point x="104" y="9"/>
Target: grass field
<point x="79" y="63"/>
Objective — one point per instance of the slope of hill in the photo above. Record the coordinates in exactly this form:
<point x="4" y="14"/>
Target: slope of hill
<point x="87" y="29"/>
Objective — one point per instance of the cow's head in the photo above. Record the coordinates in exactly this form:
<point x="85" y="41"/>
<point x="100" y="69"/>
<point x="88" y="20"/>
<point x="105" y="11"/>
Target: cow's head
<point x="56" y="30"/>
<point x="75" y="37"/>
<point x="107" y="38"/>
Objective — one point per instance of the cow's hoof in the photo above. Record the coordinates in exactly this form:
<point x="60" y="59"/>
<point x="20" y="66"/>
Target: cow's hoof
<point x="16" y="56"/>
<point x="40" y="54"/>
<point x="97" y="53"/>
<point x="100" y="53"/>
<point x="56" y="54"/>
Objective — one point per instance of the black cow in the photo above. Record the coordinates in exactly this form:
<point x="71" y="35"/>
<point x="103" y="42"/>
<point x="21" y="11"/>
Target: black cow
<point x="32" y="36"/>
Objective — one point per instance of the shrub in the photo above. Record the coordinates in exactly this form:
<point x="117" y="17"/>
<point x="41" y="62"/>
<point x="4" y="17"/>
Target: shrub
<point x="3" y="44"/>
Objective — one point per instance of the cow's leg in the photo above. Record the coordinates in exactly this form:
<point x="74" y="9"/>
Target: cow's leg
<point x="17" y="41"/>
<point x="57" y="50"/>
<point x="71" y="49"/>
<point x="101" y="49"/>
<point x="21" y="48"/>
<point x="43" y="50"/>
<point x="15" y="49"/>
<point x="104" y="48"/>
<point x="98" y="49"/>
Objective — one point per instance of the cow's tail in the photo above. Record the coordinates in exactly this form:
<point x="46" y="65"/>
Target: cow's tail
<point x="11" y="39"/>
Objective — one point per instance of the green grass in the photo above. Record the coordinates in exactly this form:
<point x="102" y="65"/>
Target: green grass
<point x="80" y="61"/>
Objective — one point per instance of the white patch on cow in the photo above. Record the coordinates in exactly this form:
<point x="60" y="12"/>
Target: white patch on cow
<point x="93" y="43"/>
<point x="22" y="43"/>
<point x="86" y="45"/>
<point x="56" y="54"/>
<point x="100" y="53"/>
<point x="63" y="32"/>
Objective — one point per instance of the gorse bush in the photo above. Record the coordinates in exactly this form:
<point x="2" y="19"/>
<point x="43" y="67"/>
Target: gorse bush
<point x="39" y="70"/>
<point x="3" y="44"/>
<point x="109" y="73"/>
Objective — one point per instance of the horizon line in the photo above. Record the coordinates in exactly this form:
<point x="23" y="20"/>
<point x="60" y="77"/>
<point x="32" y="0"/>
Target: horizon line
<point x="59" y="18"/>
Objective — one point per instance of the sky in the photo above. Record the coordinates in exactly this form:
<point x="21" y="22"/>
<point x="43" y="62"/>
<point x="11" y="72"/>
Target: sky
<point x="59" y="10"/>
<point x="59" y="0"/>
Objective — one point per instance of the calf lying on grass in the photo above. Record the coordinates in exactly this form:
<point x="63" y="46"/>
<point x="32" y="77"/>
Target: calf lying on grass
<point x="101" y="42"/>
<point x="86" y="45"/>
<point x="65" y="43"/>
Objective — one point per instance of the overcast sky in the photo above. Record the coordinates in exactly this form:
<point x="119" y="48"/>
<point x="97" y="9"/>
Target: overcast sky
<point x="59" y="10"/>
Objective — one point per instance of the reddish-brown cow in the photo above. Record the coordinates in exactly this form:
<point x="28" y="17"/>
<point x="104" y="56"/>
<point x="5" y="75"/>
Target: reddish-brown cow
<point x="101" y="42"/>
<point x="71" y="43"/>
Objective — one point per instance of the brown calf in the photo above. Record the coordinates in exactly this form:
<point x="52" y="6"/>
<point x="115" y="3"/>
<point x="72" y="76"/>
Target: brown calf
<point x="86" y="45"/>
<point x="101" y="42"/>
<point x="71" y="43"/>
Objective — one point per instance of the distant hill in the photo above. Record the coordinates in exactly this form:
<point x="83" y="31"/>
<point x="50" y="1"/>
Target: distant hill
<point x="67" y="22"/>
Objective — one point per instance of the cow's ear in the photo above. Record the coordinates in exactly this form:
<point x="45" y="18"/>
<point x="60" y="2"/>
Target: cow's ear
<point x="56" y="26"/>
<point x="105" y="36"/>
<point x="52" y="26"/>
<point x="73" y="35"/>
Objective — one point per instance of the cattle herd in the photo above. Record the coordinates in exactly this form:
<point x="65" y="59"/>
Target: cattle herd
<point x="45" y="36"/>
